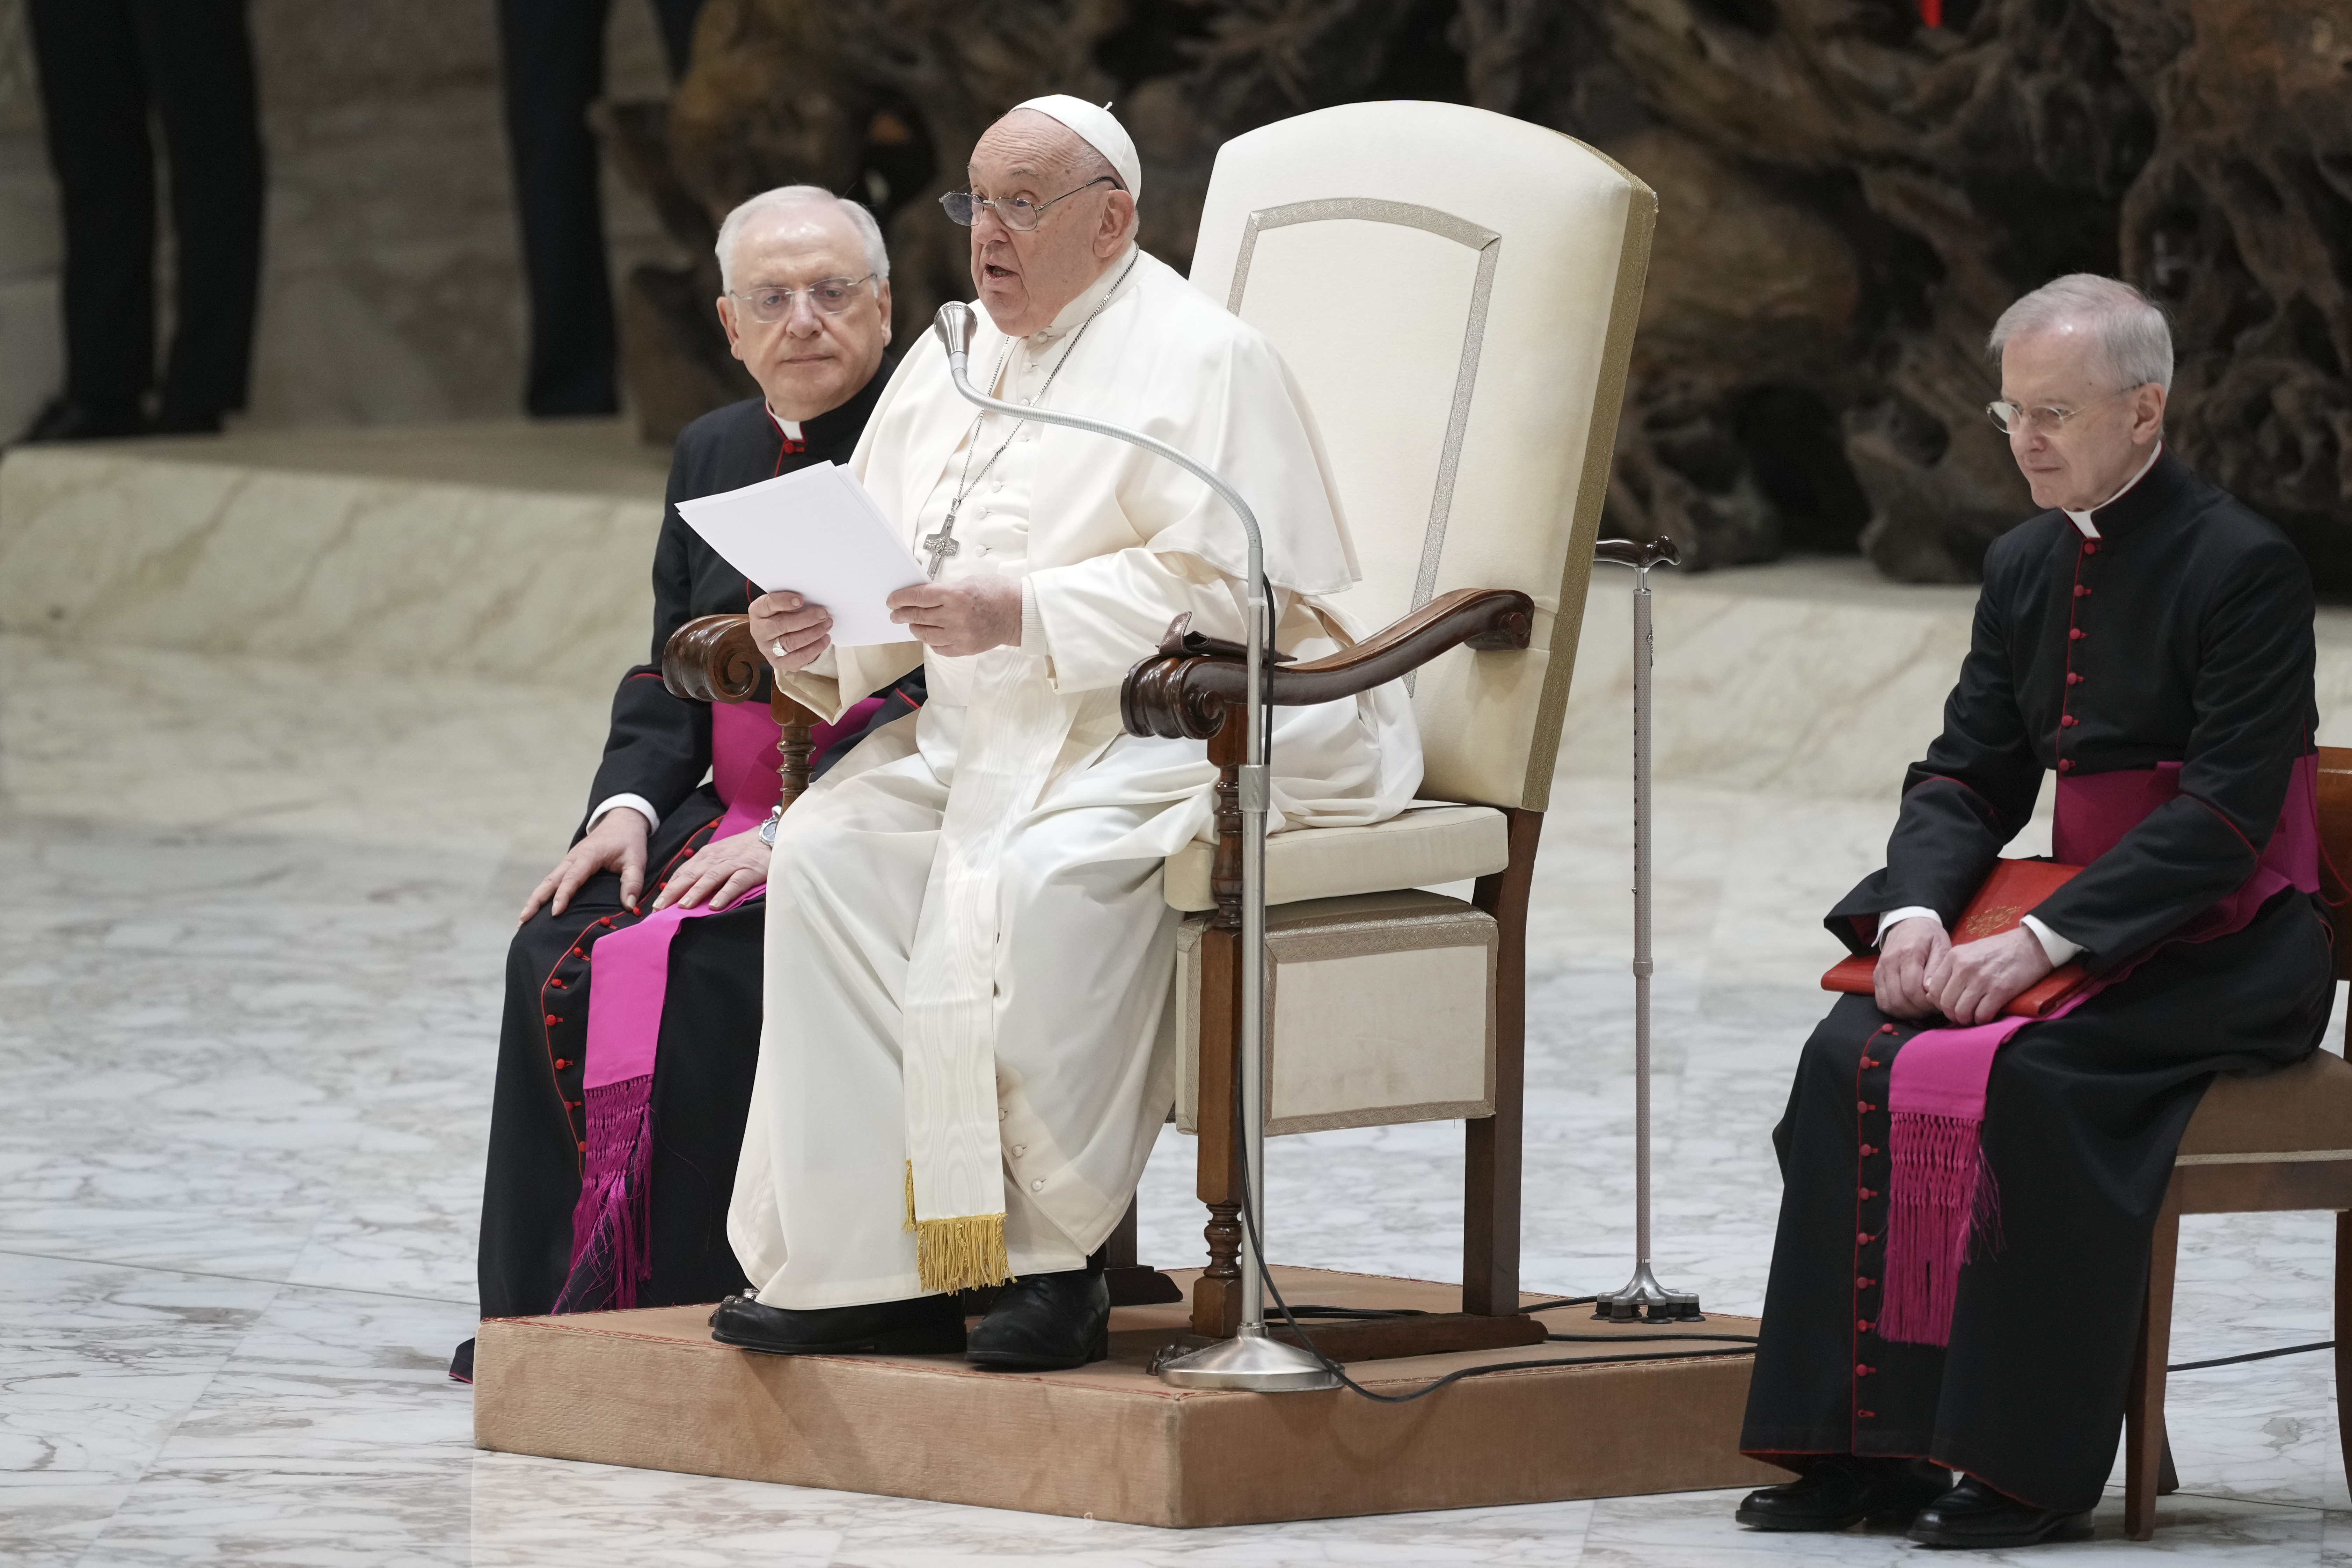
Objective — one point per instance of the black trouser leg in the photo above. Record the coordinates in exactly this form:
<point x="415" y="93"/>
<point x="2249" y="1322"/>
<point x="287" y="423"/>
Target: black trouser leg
<point x="552" y="56"/>
<point x="200" y="62"/>
<point x="1800" y="1396"/>
<point x="94" y="106"/>
<point x="702" y="1093"/>
<point x="532" y="1179"/>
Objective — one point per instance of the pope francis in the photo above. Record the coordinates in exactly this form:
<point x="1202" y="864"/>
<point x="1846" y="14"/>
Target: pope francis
<point x="968" y="1049"/>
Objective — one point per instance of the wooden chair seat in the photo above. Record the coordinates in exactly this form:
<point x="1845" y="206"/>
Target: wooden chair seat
<point x="2304" y="1113"/>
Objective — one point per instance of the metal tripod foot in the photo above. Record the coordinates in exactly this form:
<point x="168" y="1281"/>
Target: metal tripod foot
<point x="1644" y="1297"/>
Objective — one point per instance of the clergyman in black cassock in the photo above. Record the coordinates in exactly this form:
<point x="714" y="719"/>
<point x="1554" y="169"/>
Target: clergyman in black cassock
<point x="2180" y="633"/>
<point x="660" y="748"/>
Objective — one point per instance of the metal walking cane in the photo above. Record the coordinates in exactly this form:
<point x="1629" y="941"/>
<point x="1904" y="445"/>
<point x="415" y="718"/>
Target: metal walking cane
<point x="1642" y="1294"/>
<point x="1251" y="1359"/>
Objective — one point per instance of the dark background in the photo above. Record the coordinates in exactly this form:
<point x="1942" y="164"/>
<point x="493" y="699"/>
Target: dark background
<point x="1850" y="196"/>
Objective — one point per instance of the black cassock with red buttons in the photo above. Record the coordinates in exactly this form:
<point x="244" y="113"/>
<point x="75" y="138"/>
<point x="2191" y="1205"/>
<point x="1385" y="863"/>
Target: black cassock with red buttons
<point x="2183" y="633"/>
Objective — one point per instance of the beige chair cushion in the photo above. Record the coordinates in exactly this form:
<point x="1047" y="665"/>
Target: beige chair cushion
<point x="2303" y="1112"/>
<point x="1381" y="1009"/>
<point x="1418" y="849"/>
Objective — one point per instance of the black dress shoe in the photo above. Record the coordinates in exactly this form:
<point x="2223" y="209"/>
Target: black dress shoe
<point x="926" y="1325"/>
<point x="67" y="420"/>
<point x="461" y="1365"/>
<point x="1842" y="1491"/>
<point x="1045" y="1323"/>
<point x="1974" y="1515"/>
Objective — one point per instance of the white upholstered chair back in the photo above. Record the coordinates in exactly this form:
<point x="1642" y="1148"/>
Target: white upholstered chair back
<point x="1460" y="320"/>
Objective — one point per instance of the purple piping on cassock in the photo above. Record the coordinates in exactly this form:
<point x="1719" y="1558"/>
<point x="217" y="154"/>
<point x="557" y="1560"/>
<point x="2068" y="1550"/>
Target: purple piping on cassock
<point x="1943" y="1204"/>
<point x="612" y="1233"/>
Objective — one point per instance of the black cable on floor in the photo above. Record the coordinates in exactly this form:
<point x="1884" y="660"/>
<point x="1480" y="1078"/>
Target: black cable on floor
<point x="1731" y="1338"/>
<point x="1265" y="1277"/>
<point x="2250" y="1355"/>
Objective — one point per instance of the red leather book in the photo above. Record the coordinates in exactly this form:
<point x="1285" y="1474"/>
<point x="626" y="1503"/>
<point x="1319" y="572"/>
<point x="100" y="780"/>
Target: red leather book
<point x="2008" y="895"/>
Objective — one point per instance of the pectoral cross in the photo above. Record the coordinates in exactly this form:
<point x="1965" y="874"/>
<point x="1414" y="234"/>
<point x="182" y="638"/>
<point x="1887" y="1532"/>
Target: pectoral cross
<point x="941" y="545"/>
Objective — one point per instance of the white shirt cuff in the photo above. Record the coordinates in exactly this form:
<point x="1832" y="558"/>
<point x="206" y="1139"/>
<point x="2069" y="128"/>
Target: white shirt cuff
<point x="2060" y="950"/>
<point x="635" y="803"/>
<point x="1893" y="918"/>
<point x="1032" y="625"/>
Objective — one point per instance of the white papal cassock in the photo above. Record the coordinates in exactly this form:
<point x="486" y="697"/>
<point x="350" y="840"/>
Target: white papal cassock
<point x="969" y="959"/>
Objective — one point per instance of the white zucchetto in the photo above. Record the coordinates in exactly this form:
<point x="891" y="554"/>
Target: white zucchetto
<point x="1099" y="131"/>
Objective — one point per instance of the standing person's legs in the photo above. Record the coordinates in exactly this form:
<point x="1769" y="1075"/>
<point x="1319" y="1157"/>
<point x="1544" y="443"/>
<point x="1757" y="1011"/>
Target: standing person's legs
<point x="552" y="56"/>
<point x="675" y="19"/>
<point x="199" y="57"/>
<point x="94" y="106"/>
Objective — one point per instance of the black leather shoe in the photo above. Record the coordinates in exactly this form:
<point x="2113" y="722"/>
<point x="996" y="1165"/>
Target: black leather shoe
<point x="1046" y="1322"/>
<point x="461" y="1365"/>
<point x="1974" y="1515"/>
<point x="67" y="420"/>
<point x="927" y="1325"/>
<point x="1843" y="1490"/>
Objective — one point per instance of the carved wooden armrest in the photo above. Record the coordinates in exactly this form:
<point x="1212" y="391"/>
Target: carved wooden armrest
<point x="712" y="659"/>
<point x="1184" y="690"/>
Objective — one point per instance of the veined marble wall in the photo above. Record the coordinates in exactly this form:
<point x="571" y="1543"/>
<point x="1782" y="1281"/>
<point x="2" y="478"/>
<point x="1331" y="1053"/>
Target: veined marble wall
<point x="390" y="292"/>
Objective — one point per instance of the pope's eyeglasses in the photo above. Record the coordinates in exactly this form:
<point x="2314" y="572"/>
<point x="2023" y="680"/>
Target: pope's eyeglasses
<point x="1016" y="213"/>
<point x="771" y="303"/>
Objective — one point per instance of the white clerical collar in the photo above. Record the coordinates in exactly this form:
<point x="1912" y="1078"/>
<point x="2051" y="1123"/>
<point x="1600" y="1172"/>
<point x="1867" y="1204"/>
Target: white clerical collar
<point x="1080" y="308"/>
<point x="2081" y="520"/>
<point x="790" y="428"/>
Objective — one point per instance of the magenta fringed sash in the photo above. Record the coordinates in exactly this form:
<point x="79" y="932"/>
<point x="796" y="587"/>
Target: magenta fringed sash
<point x="628" y="983"/>
<point x="1943" y="1204"/>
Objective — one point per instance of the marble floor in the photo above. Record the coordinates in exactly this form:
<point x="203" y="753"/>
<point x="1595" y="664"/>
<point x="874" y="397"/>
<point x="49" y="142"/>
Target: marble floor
<point x="246" y="1014"/>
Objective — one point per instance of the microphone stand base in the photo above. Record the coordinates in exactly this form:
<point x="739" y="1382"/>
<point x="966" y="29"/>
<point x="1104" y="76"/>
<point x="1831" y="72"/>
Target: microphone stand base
<point x="1249" y="1363"/>
<point x="1645" y="1298"/>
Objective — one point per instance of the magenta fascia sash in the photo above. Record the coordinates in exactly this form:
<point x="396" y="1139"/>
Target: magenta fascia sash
<point x="1943" y="1204"/>
<point x="628" y="984"/>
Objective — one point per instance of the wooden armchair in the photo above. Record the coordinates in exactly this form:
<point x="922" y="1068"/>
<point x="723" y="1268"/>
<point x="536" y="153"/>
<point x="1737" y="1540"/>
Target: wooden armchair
<point x="1470" y="431"/>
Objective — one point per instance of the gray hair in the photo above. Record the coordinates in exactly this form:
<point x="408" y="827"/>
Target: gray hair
<point x="2131" y="342"/>
<point x="878" y="258"/>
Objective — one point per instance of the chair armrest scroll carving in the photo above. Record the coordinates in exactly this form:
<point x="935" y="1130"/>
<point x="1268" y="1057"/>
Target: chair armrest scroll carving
<point x="712" y="659"/>
<point x="1175" y="695"/>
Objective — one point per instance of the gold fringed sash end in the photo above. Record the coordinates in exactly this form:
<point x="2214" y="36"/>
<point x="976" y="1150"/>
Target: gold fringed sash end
<point x="962" y="1254"/>
<point x="909" y="1226"/>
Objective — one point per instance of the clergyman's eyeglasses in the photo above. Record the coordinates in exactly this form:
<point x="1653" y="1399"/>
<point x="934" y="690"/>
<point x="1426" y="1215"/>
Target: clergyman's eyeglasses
<point x="1016" y="213"/>
<point x="771" y="303"/>
<point x="2014" y="418"/>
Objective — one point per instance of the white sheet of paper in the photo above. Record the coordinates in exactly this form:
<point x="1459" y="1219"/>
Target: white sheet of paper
<point x="817" y="533"/>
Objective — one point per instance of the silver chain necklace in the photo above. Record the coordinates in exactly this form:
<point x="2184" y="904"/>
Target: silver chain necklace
<point x="941" y="545"/>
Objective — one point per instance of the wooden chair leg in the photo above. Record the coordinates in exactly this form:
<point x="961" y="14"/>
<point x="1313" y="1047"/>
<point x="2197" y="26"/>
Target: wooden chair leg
<point x="2146" y="1452"/>
<point x="1133" y="1284"/>
<point x="1216" y="1295"/>
<point x="2342" y="1325"/>
<point x="1490" y="1209"/>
